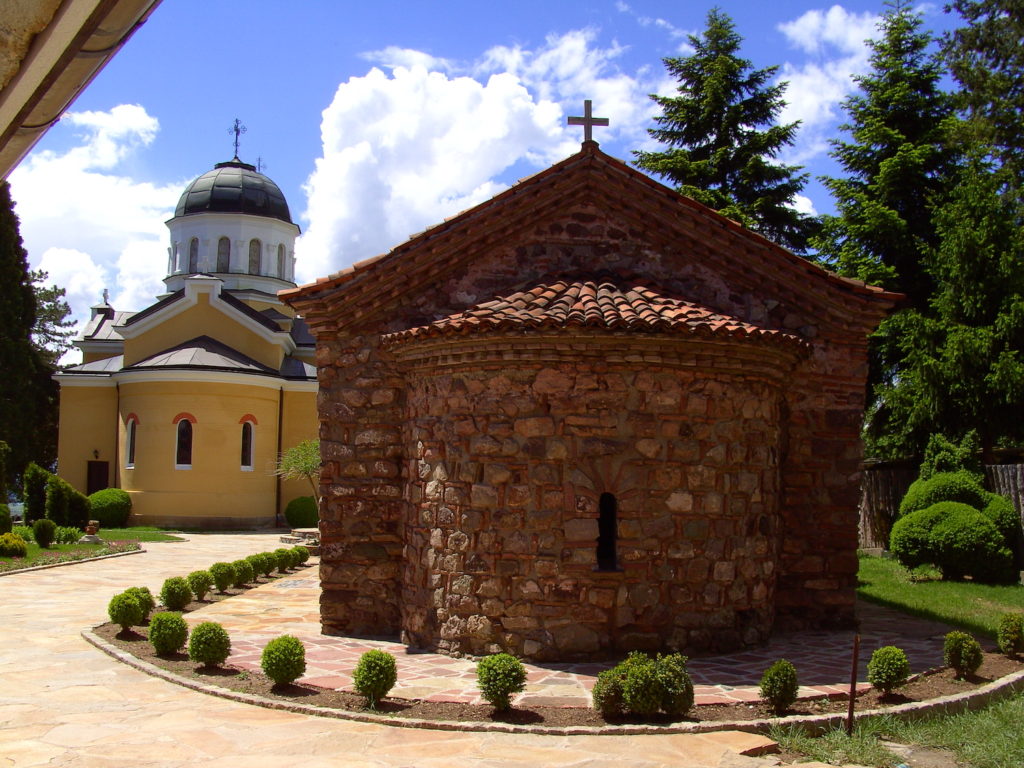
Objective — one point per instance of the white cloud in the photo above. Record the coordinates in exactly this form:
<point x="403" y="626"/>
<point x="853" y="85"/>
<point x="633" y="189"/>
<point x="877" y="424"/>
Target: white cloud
<point x="402" y="152"/>
<point x="834" y="42"/>
<point x="393" y="56"/>
<point x="90" y="226"/>
<point x="804" y="204"/>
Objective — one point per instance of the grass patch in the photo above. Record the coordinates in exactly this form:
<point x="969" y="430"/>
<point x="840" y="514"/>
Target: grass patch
<point x="989" y="738"/>
<point x="137" y="533"/>
<point x="63" y="553"/>
<point x="974" y="607"/>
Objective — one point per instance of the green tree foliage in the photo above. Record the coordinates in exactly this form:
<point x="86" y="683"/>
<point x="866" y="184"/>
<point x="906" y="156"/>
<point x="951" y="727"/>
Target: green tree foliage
<point x="301" y="462"/>
<point x="723" y="139"/>
<point x="895" y="162"/>
<point x="53" y="327"/>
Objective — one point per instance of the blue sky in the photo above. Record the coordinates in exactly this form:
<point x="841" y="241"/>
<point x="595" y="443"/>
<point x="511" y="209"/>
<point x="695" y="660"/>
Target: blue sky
<point x="380" y="119"/>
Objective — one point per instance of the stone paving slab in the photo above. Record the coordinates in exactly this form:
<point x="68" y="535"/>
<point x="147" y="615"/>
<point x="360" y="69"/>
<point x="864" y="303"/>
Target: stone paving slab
<point x="291" y="605"/>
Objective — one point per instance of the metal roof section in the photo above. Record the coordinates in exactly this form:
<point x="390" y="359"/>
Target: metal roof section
<point x="234" y="187"/>
<point x="293" y="368"/>
<point x="107" y="366"/>
<point x="101" y="327"/>
<point x="202" y="352"/>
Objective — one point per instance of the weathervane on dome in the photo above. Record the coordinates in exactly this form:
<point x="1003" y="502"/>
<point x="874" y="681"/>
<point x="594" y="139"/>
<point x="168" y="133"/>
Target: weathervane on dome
<point x="238" y="129"/>
<point x="588" y="121"/>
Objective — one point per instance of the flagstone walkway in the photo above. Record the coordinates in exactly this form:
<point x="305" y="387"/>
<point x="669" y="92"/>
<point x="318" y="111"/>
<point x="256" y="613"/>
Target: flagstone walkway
<point x="291" y="605"/>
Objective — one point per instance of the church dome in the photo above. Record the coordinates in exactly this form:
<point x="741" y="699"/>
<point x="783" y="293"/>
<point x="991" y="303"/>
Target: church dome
<point x="234" y="187"/>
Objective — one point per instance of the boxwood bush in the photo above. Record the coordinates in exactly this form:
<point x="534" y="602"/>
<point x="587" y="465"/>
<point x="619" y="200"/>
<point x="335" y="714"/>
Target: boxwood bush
<point x="146" y="601"/>
<point x="375" y="674"/>
<point x="966" y="543"/>
<point x="175" y="593"/>
<point x="284" y="559"/>
<point x="302" y="552"/>
<point x="302" y="512"/>
<point x="268" y="563"/>
<point x="499" y="676"/>
<point x="111" y="507"/>
<point x="255" y="562"/>
<point x="640" y="685"/>
<point x="199" y="582"/>
<point x="284" y="659"/>
<point x="125" y="610"/>
<point x="167" y="633"/>
<point x="1010" y="634"/>
<point x="779" y="686"/>
<point x="243" y="573"/>
<point x="961" y="652"/>
<point x="888" y="669"/>
<point x="209" y="644"/>
<point x="961" y="486"/>
<point x="12" y="545"/>
<point x="43" y="532"/>
<point x="223" y="575"/>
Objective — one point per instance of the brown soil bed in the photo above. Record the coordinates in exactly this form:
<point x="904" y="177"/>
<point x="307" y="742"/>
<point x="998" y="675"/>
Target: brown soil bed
<point x="930" y="685"/>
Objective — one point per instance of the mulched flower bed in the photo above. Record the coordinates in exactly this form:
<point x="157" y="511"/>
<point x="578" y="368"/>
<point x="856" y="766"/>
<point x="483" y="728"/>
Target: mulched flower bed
<point x="930" y="685"/>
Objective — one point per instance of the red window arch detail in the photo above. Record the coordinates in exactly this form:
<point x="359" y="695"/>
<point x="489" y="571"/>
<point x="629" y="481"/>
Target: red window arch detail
<point x="131" y="417"/>
<point x="250" y="418"/>
<point x="184" y="416"/>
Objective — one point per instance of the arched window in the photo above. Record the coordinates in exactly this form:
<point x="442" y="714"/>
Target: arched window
<point x="183" y="440"/>
<point x="174" y="265"/>
<point x="130" y="426"/>
<point x="247" y="436"/>
<point x="607" y="532"/>
<point x="255" y="248"/>
<point x="193" y="255"/>
<point x="223" y="255"/>
<point x="280" y="262"/>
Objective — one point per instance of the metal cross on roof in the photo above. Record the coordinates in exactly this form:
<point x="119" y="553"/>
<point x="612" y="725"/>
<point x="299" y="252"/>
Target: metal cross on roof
<point x="238" y="129"/>
<point x="588" y="121"/>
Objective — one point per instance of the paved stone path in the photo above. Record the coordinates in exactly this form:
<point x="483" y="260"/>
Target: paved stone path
<point x="64" y="703"/>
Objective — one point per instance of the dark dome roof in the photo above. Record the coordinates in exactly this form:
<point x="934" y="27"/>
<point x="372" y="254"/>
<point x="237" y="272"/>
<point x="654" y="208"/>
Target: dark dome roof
<point x="234" y="187"/>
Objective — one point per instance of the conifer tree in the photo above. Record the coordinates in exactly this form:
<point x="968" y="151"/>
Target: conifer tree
<point x="723" y="139"/>
<point x="896" y="162"/>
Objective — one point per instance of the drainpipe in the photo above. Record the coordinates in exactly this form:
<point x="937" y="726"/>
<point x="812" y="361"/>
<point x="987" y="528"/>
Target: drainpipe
<point x="277" y="477"/>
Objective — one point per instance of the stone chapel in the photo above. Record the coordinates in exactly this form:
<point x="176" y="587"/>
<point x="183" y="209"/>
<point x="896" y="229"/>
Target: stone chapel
<point x="587" y="416"/>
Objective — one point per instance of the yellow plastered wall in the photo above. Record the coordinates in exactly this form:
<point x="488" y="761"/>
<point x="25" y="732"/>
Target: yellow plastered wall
<point x="87" y="431"/>
<point x="300" y="423"/>
<point x="203" y="320"/>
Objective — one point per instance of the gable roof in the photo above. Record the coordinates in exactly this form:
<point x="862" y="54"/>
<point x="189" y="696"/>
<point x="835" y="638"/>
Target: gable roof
<point x="367" y="289"/>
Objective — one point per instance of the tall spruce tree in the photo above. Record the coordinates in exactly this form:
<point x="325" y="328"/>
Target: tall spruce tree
<point x="723" y="137"/>
<point x="27" y="394"/>
<point x="897" y="163"/>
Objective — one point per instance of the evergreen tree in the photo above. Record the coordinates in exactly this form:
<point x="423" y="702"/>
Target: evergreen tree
<point x="987" y="58"/>
<point x="53" y="328"/>
<point x="723" y="138"/>
<point x="27" y="394"/>
<point x="897" y="163"/>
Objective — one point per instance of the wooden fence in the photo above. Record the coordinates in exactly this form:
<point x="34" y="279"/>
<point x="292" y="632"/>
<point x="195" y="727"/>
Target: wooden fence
<point x="884" y="484"/>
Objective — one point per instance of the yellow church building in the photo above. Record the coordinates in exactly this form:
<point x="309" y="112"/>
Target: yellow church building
<point x="187" y="403"/>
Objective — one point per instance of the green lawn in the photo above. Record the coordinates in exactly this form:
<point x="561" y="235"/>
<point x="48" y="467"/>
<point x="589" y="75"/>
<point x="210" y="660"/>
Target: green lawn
<point x="62" y="553"/>
<point x="974" y="607"/>
<point x="137" y="533"/>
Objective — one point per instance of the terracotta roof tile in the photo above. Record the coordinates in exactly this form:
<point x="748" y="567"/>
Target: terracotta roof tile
<point x="594" y="303"/>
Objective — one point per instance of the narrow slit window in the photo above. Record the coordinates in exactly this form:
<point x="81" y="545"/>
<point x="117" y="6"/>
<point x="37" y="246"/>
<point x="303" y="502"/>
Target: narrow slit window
<point x="183" y="449"/>
<point x="223" y="255"/>
<point x="193" y="255"/>
<point x="247" y="446"/>
<point x="255" y="248"/>
<point x="607" y="532"/>
<point x="129" y="448"/>
<point x="281" y="262"/>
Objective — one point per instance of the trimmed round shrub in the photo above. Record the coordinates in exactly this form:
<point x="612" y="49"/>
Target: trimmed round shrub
<point x="284" y="659"/>
<point x="5" y="519"/>
<point x="375" y="674"/>
<point x="254" y="562"/>
<point x="966" y="543"/>
<point x="111" y="507"/>
<point x="284" y="559"/>
<point x="641" y="688"/>
<point x="961" y="652"/>
<point x="888" y="669"/>
<point x="1010" y="634"/>
<point x="125" y="610"/>
<point x="209" y="644"/>
<point x="223" y="575"/>
<point x="302" y="552"/>
<point x="910" y="540"/>
<point x="12" y="545"/>
<point x="167" y="633"/>
<point x="296" y="557"/>
<point x="676" y="684"/>
<point x="498" y="677"/>
<point x="302" y="512"/>
<point x="175" y="593"/>
<point x="243" y="573"/>
<point x="267" y="563"/>
<point x="607" y="692"/>
<point x="960" y="486"/>
<point x="1004" y="517"/>
<point x="199" y="582"/>
<point x="43" y="532"/>
<point x="779" y="686"/>
<point x="659" y="684"/>
<point x="145" y="598"/>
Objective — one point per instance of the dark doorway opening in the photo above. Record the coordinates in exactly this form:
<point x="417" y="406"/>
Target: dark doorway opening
<point x="607" y="532"/>
<point x="97" y="476"/>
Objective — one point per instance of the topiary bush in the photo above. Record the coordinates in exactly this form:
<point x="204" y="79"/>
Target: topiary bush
<point x="5" y="519"/>
<point x="302" y="512"/>
<point x="209" y="644"/>
<point x="199" y="582"/>
<point x="43" y="532"/>
<point x="125" y="610"/>
<point x="284" y="659"/>
<point x="111" y="507"/>
<point x="966" y="543"/>
<point x="175" y="593"/>
<point x="1010" y="634"/>
<point x="1004" y="517"/>
<point x="888" y="669"/>
<point x="167" y="633"/>
<point x="302" y="553"/>
<point x="498" y="677"/>
<point x="145" y="598"/>
<point x="779" y="686"/>
<point x="641" y="688"/>
<point x="34" y="486"/>
<point x="64" y="504"/>
<point x="961" y="652"/>
<point x="12" y="545"/>
<point x="607" y="693"/>
<point x="676" y="684"/>
<point x="375" y="674"/>
<point x="243" y="573"/>
<point x="255" y="562"/>
<point x="943" y="455"/>
<point x="959" y="486"/>
<point x="284" y="559"/>
<point x="223" y="575"/>
<point x="267" y="563"/>
<point x="656" y="684"/>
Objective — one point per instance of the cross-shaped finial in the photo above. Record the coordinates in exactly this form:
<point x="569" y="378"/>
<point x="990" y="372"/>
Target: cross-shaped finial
<point x="588" y="121"/>
<point x="260" y="165"/>
<point x="238" y="129"/>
